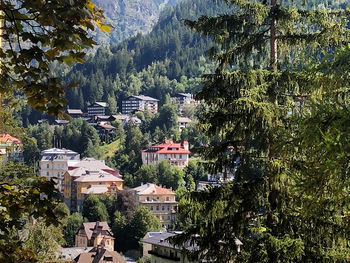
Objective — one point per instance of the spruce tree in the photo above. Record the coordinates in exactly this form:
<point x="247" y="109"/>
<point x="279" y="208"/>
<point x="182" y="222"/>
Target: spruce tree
<point x="275" y="68"/>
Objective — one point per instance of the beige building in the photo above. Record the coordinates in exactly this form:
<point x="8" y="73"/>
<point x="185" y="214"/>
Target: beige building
<point x="54" y="163"/>
<point x="94" y="234"/>
<point x="175" y="153"/>
<point x="89" y="176"/>
<point x="160" y="201"/>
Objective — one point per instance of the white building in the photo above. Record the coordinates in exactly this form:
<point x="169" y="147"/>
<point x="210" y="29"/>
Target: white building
<point x="139" y="103"/>
<point x="175" y="153"/>
<point x="54" y="163"/>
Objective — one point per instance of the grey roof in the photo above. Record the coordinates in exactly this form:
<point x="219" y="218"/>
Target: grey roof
<point x="99" y="103"/>
<point x="180" y="94"/>
<point x="73" y="252"/>
<point x="163" y="241"/>
<point x="98" y="176"/>
<point x="143" y="97"/>
<point x="61" y="121"/>
<point x="74" y="111"/>
<point x="64" y="154"/>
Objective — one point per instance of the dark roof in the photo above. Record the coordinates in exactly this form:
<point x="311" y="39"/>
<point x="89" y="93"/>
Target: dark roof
<point x="163" y="241"/>
<point x="91" y="228"/>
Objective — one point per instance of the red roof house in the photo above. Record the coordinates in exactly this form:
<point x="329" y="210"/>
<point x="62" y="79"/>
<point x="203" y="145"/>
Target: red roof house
<point x="175" y="153"/>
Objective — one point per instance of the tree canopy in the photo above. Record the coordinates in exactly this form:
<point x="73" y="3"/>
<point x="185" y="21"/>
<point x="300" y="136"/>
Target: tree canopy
<point x="275" y="102"/>
<point x="34" y="34"/>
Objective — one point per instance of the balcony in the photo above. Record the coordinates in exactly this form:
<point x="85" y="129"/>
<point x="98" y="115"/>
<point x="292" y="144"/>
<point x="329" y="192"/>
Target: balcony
<point x="155" y="253"/>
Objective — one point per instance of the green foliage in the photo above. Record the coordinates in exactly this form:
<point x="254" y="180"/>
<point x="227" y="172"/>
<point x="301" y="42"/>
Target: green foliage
<point x="94" y="210"/>
<point x="279" y="124"/>
<point x="170" y="176"/>
<point x="38" y="34"/>
<point x="70" y="229"/>
<point x="143" y="222"/>
<point x="42" y="239"/>
<point x="22" y="197"/>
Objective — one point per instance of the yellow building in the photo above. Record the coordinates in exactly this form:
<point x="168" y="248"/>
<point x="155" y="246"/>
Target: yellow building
<point x="89" y="179"/>
<point x="93" y="234"/>
<point x="160" y="201"/>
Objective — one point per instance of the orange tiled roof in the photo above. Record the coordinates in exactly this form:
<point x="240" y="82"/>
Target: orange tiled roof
<point x="168" y="147"/>
<point x="148" y="188"/>
<point x="7" y="138"/>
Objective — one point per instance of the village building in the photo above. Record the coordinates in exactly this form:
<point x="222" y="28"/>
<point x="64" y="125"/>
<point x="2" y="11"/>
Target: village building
<point x="100" y="255"/>
<point x="139" y="103"/>
<point x="94" y="234"/>
<point x="159" y="249"/>
<point x="159" y="200"/>
<point x="97" y="109"/>
<point x="183" y="122"/>
<point x="10" y="147"/>
<point x="89" y="176"/>
<point x="54" y="163"/>
<point x="175" y="153"/>
<point x="75" y="113"/>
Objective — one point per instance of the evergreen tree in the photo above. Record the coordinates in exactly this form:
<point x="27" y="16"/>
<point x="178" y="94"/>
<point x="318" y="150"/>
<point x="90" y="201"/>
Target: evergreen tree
<point x="266" y="54"/>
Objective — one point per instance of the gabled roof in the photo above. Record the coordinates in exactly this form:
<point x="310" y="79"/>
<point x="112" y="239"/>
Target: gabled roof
<point x="142" y="97"/>
<point x="97" y="255"/>
<point x="168" y="147"/>
<point x="99" y="103"/>
<point x="74" y="111"/>
<point x="147" y="189"/>
<point x="96" y="189"/>
<point x="180" y="94"/>
<point x="91" y="228"/>
<point x="98" y="176"/>
<point x="7" y="138"/>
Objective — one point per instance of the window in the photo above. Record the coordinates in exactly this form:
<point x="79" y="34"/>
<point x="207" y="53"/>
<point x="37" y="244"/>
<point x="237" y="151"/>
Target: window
<point x="147" y="198"/>
<point x="168" y="217"/>
<point x="47" y="166"/>
<point x="151" y="208"/>
<point x="157" y="208"/>
<point x="168" y="207"/>
<point x="167" y="198"/>
<point x="47" y="174"/>
<point x="163" y="208"/>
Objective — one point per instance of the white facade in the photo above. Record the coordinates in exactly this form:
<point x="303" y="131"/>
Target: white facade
<point x="54" y="163"/>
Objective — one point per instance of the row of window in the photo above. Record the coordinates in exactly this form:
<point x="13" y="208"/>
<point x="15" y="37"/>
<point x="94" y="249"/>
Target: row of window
<point x="157" y="208"/>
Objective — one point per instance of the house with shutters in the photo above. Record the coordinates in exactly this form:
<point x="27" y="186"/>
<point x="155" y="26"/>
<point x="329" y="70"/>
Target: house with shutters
<point x="159" y="200"/>
<point x="175" y="153"/>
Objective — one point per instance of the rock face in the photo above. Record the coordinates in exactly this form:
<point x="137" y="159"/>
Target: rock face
<point x="129" y="17"/>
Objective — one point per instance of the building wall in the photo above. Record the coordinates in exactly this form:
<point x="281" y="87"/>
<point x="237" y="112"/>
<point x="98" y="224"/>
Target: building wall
<point x="109" y="242"/>
<point x="54" y="168"/>
<point x="81" y="239"/>
<point x="179" y="160"/>
<point x="172" y="255"/>
<point x="164" y="207"/>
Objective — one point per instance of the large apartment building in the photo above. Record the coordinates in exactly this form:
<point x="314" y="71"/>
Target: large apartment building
<point x="97" y="109"/>
<point x="139" y="103"/>
<point x="89" y="176"/>
<point x="54" y="163"/>
<point x="160" y="201"/>
<point x="175" y="153"/>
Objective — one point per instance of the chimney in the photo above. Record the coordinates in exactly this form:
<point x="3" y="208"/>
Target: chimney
<point x="185" y="145"/>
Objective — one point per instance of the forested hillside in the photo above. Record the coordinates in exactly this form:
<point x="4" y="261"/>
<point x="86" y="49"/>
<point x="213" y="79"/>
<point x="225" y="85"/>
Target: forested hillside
<point x="129" y="17"/>
<point x="169" y="59"/>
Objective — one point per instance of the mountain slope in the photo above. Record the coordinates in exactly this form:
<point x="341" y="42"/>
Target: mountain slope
<point x="130" y="17"/>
